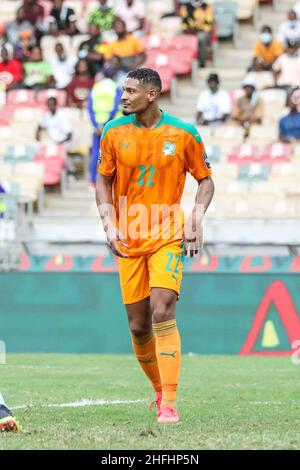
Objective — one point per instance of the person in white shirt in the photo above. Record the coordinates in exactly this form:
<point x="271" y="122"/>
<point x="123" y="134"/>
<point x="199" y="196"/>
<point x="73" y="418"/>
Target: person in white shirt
<point x="56" y="124"/>
<point x="286" y="68"/>
<point x="214" y="105"/>
<point x="289" y="30"/>
<point x="133" y="13"/>
<point x="63" y="66"/>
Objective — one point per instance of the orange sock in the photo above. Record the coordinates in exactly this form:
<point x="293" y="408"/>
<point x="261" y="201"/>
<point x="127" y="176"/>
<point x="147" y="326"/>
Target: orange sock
<point x="144" y="348"/>
<point x="168" y="353"/>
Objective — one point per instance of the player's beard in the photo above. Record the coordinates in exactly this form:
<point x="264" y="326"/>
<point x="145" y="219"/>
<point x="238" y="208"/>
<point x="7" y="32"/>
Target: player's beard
<point x="126" y="113"/>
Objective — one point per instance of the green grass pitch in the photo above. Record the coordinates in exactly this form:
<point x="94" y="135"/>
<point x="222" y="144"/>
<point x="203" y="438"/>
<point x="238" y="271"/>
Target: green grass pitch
<point x="224" y="402"/>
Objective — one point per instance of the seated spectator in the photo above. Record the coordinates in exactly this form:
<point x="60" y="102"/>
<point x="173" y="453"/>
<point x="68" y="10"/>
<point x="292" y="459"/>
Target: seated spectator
<point x="11" y="74"/>
<point x="214" y="104"/>
<point x="55" y="124"/>
<point x="80" y="86"/>
<point x="34" y="13"/>
<point x="289" y="126"/>
<point x="37" y="72"/>
<point x="16" y="27"/>
<point x="117" y="73"/>
<point x="73" y="28"/>
<point x="266" y="48"/>
<point x="249" y="108"/>
<point x="103" y="16"/>
<point x="59" y="19"/>
<point x="93" y="50"/>
<point x="24" y="45"/>
<point x="289" y="30"/>
<point x="63" y="66"/>
<point x="127" y="47"/>
<point x="287" y="67"/>
<point x="133" y="13"/>
<point x="4" y="41"/>
<point x="197" y="18"/>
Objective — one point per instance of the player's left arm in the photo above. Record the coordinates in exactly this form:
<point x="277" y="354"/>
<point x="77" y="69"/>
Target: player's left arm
<point x="197" y="164"/>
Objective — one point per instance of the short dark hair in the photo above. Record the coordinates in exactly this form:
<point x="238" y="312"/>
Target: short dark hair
<point x="213" y="77"/>
<point x="146" y="76"/>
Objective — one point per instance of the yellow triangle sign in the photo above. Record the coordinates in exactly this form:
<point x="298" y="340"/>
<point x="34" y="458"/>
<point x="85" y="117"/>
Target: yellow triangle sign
<point x="270" y="338"/>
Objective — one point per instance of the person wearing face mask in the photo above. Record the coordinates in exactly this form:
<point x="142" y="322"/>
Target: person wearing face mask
<point x="290" y="29"/>
<point x="286" y="68"/>
<point x="214" y="104"/>
<point x="103" y="16"/>
<point x="266" y="48"/>
<point x="63" y="66"/>
<point x="133" y="13"/>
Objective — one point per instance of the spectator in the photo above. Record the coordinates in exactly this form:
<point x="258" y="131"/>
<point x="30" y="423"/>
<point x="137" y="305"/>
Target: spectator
<point x="17" y="26"/>
<point x="63" y="66"/>
<point x="103" y="105"/>
<point x="133" y="13"/>
<point x="56" y="124"/>
<point x="93" y="50"/>
<point x="248" y="109"/>
<point x="4" y="42"/>
<point x="37" y="71"/>
<point x="289" y="126"/>
<point x="266" y="48"/>
<point x="214" y="104"/>
<point x="197" y="18"/>
<point x="287" y="67"/>
<point x="117" y="72"/>
<point x="73" y="28"/>
<point x="59" y="20"/>
<point x="24" y="45"/>
<point x="103" y="16"/>
<point x="80" y="85"/>
<point x="127" y="47"/>
<point x="11" y="74"/>
<point x="34" y="13"/>
<point x="289" y="30"/>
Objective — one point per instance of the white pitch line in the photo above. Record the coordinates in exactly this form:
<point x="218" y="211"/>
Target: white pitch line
<point x="77" y="404"/>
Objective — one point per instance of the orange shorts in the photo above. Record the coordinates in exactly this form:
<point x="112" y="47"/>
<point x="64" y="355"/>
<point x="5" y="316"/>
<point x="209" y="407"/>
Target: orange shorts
<point x="160" y="269"/>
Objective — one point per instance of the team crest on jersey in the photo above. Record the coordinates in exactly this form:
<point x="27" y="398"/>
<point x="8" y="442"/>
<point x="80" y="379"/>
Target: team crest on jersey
<point x="99" y="157"/>
<point x="169" y="149"/>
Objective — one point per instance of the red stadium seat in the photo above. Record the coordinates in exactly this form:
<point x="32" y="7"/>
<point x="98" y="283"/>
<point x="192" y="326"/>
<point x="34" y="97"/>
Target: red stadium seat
<point x="244" y="153"/>
<point x="185" y="42"/>
<point x="43" y="95"/>
<point x="276" y="153"/>
<point x="153" y="41"/>
<point x="53" y="157"/>
<point x="21" y="97"/>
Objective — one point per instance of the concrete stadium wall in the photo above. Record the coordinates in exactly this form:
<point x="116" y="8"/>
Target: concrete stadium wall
<point x="83" y="313"/>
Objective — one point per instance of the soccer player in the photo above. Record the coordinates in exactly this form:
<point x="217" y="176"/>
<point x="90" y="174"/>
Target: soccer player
<point x="7" y="421"/>
<point x="143" y="160"/>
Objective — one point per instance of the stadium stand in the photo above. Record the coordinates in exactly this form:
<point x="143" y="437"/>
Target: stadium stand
<point x="249" y="173"/>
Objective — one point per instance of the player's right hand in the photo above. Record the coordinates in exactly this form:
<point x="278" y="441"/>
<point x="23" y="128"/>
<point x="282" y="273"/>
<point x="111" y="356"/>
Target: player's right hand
<point x="113" y="240"/>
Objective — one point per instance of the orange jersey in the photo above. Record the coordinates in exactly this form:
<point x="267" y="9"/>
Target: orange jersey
<point x="149" y="167"/>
